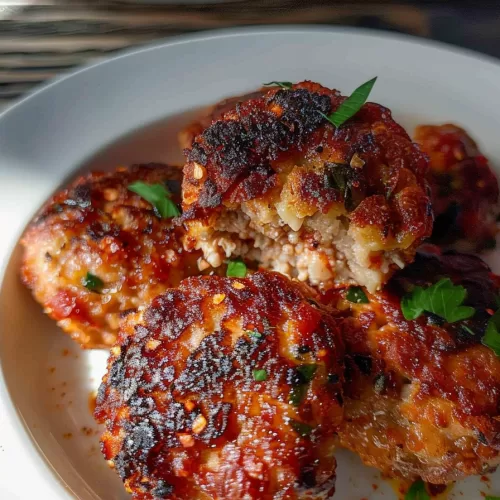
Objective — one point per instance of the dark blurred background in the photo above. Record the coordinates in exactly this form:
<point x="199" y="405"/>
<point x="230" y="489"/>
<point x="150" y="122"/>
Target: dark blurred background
<point x="39" y="39"/>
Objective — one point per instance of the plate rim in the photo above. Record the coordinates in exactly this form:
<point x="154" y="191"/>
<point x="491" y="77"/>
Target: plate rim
<point x="14" y="417"/>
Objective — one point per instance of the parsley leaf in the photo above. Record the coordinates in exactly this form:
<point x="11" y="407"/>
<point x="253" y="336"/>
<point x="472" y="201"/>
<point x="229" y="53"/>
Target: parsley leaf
<point x="158" y="195"/>
<point x="352" y="104"/>
<point x="297" y="394"/>
<point x="92" y="282"/>
<point x="300" y="428"/>
<point x="491" y="338"/>
<point x="489" y="497"/>
<point x="283" y="85"/>
<point x="357" y="295"/>
<point x="417" y="491"/>
<point x="307" y="371"/>
<point x="236" y="269"/>
<point x="254" y="334"/>
<point x="443" y="299"/>
<point x="259" y="375"/>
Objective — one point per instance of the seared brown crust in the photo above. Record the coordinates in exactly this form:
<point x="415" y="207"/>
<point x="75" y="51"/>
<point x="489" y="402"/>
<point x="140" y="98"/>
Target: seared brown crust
<point x="464" y="188"/>
<point x="185" y="417"/>
<point x="279" y="150"/>
<point x="422" y="397"/>
<point x="213" y="113"/>
<point x="97" y="225"/>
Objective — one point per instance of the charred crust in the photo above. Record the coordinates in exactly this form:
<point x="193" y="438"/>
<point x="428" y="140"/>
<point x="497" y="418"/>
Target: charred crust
<point x="157" y="389"/>
<point x="238" y="147"/>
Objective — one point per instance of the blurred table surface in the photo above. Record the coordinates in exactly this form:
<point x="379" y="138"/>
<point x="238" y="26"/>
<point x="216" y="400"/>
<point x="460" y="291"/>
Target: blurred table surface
<point x="41" y="39"/>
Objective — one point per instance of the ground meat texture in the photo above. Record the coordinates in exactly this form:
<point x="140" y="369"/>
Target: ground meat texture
<point x="464" y="189"/>
<point x="97" y="225"/>
<point x="275" y="182"/>
<point x="225" y="388"/>
<point x="422" y="397"/>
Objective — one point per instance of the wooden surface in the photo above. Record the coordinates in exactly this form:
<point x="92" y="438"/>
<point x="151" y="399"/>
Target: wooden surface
<point x="37" y="42"/>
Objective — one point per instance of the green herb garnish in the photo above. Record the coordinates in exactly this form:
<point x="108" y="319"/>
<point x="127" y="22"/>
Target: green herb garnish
<point x="283" y="85"/>
<point x="489" y="497"/>
<point x="236" y="269"/>
<point x="159" y="196"/>
<point x="259" y="375"/>
<point x="92" y="282"/>
<point x="491" y="338"/>
<point x="254" y="334"/>
<point x="307" y="371"/>
<point x="443" y="299"/>
<point x="297" y="394"/>
<point x="301" y="428"/>
<point x="351" y="105"/>
<point x="417" y="491"/>
<point x="357" y="295"/>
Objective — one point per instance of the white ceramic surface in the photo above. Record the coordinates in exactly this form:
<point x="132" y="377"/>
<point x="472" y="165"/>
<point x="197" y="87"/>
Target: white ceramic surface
<point x="89" y="118"/>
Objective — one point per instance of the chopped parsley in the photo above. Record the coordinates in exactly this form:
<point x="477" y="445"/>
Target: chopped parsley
<point x="491" y="338"/>
<point x="159" y="196"/>
<point x="302" y="375"/>
<point x="417" y="491"/>
<point x="297" y="394"/>
<point x="254" y="334"/>
<point x="301" y="428"/>
<point x="351" y="105"/>
<point x="283" y="85"/>
<point x="92" y="282"/>
<point x="357" y="295"/>
<point x="259" y="375"/>
<point x="307" y="371"/>
<point x="443" y="299"/>
<point x="489" y="497"/>
<point x="236" y="269"/>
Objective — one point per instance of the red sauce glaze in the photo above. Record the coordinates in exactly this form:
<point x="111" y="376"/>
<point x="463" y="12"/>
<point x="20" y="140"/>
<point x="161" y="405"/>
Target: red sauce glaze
<point x="464" y="188"/>
<point x="184" y="413"/>
<point x="98" y="225"/>
<point x="422" y="397"/>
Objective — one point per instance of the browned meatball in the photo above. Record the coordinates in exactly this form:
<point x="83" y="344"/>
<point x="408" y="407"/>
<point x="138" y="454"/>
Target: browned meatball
<point x="422" y="397"/>
<point x="99" y="226"/>
<point x="274" y="181"/>
<point x="464" y="188"/>
<point x="225" y="388"/>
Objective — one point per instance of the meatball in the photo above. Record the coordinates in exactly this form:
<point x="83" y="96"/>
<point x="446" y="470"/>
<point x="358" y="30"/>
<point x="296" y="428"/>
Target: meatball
<point x="464" y="189"/>
<point x="97" y="251"/>
<point x="422" y="397"/>
<point x="273" y="181"/>
<point x="225" y="388"/>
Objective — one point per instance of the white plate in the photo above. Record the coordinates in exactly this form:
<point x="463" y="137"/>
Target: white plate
<point x="57" y="130"/>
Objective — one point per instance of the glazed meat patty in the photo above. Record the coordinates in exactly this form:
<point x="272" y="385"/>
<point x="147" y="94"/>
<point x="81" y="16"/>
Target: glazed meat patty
<point x="273" y="181"/>
<point x="97" y="251"/>
<point x="464" y="188"/>
<point x="225" y="388"/>
<point x="422" y="397"/>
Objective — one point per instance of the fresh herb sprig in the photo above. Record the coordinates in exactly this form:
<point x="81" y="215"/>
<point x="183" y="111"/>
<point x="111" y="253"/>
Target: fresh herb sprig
<point x="159" y="196"/>
<point x="356" y="295"/>
<point x="283" y="85"/>
<point x="351" y="105"/>
<point x="417" y="491"/>
<point x="491" y="338"/>
<point x="301" y="428"/>
<point x="443" y="299"/>
<point x="236" y="269"/>
<point x="92" y="282"/>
